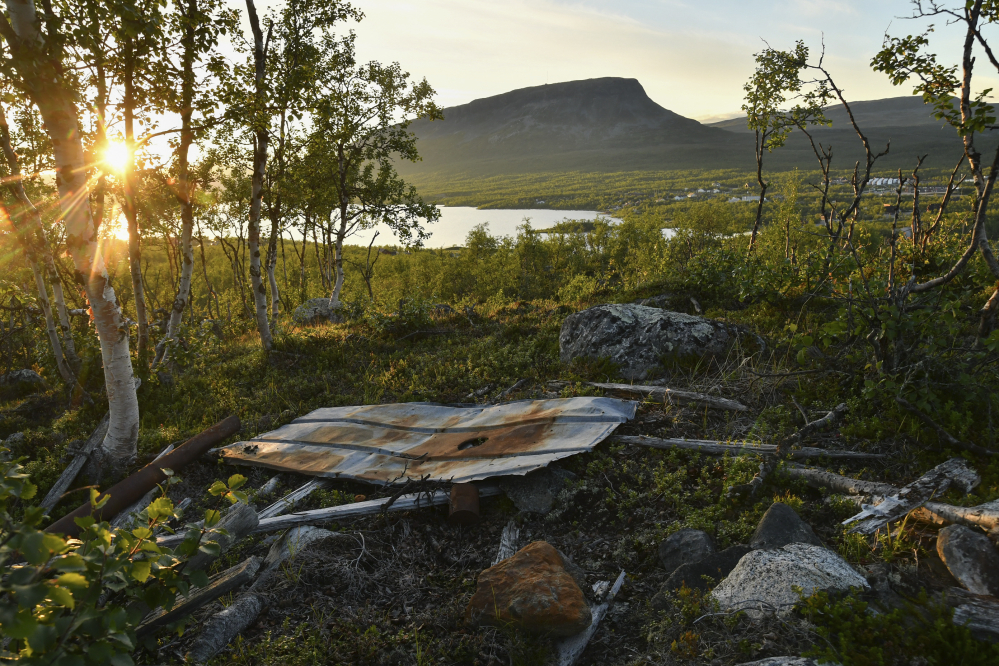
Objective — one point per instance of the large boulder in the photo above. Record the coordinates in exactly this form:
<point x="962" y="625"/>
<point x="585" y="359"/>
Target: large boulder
<point x="20" y="383"/>
<point x="532" y="590"/>
<point x="535" y="492"/>
<point x="971" y="559"/>
<point x="684" y="547"/>
<point x="767" y="581"/>
<point x="639" y="338"/>
<point x="317" y="311"/>
<point x="780" y="526"/>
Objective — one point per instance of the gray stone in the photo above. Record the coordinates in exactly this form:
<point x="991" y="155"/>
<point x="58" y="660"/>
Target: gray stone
<point x="766" y="581"/>
<point x="780" y="526"/>
<point x="535" y="492"/>
<point x="638" y="338"/>
<point x="787" y="661"/>
<point x="716" y="566"/>
<point x="317" y="311"/>
<point x="684" y="547"/>
<point x="971" y="559"/>
<point x="20" y="383"/>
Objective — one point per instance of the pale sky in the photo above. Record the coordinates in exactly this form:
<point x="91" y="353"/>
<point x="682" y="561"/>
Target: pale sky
<point x="691" y="56"/>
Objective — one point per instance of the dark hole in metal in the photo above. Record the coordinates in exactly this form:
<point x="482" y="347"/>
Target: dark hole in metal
<point x="469" y="443"/>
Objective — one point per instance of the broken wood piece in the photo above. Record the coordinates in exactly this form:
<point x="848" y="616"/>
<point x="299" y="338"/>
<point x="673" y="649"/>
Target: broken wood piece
<point x="568" y="650"/>
<point x="366" y="508"/>
<point x="76" y="464"/>
<point x="219" y="584"/>
<point x="269" y="487"/>
<point x="225" y="625"/>
<point x="509" y="542"/>
<point x="128" y="491"/>
<point x="720" y="448"/>
<point x="239" y="521"/>
<point x="520" y="383"/>
<point x="895" y="507"/>
<point x="287" y="502"/>
<point x="668" y="395"/>
<point x="984" y="515"/>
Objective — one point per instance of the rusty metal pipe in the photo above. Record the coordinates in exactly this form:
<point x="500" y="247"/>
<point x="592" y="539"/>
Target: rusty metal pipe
<point x="130" y="489"/>
<point x="464" y="505"/>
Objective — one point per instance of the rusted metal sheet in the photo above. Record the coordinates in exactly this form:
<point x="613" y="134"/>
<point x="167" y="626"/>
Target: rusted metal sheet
<point x="392" y="443"/>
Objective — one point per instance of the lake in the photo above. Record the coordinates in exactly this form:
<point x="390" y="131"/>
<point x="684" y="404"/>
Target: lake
<point x="457" y="221"/>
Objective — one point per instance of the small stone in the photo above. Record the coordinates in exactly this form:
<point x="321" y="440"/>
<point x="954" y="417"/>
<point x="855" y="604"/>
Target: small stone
<point x="780" y="526"/>
<point x="716" y="566"/>
<point x="531" y="590"/>
<point x="535" y="492"/>
<point x="685" y="547"/>
<point x="971" y="559"/>
<point x="767" y="581"/>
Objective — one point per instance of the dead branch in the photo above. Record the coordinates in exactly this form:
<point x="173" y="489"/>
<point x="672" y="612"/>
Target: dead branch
<point x="73" y="469"/>
<point x="665" y="395"/>
<point x="291" y="499"/>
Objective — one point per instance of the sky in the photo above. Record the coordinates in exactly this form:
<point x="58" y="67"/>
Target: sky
<point x="691" y="56"/>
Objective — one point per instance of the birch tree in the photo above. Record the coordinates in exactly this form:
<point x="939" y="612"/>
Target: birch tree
<point x="360" y="127"/>
<point x="35" y="60"/>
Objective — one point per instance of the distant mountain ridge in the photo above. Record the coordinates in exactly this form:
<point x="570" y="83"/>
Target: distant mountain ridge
<point x="610" y="124"/>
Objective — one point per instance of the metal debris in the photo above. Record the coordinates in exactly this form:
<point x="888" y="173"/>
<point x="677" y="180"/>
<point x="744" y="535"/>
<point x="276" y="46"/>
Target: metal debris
<point x="388" y="444"/>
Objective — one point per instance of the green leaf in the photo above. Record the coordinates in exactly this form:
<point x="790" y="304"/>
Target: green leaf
<point x="210" y="548"/>
<point x="62" y="596"/>
<point x="217" y="489"/>
<point x="236" y="481"/>
<point x="73" y="580"/>
<point x="140" y="570"/>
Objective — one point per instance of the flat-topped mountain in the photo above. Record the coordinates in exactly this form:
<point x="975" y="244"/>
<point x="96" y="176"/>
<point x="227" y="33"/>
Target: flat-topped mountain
<point x="610" y="124"/>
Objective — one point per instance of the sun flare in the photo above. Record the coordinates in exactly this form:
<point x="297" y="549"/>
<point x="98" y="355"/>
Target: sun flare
<point x="116" y="156"/>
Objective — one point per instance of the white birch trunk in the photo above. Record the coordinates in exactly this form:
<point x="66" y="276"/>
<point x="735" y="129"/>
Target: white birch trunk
<point x="55" y="102"/>
<point x="261" y="140"/>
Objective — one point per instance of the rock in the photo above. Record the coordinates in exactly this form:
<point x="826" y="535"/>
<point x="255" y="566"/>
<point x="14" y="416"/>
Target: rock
<point x="685" y="547"/>
<point x="536" y="491"/>
<point x="780" y="526"/>
<point x="971" y="559"/>
<point x="787" y="661"/>
<point x="717" y="566"/>
<point x="981" y="617"/>
<point x="317" y="311"/>
<point x="531" y="590"/>
<point x="20" y="383"/>
<point x="765" y="580"/>
<point x="639" y="338"/>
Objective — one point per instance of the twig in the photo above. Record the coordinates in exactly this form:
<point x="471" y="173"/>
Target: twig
<point x="941" y="433"/>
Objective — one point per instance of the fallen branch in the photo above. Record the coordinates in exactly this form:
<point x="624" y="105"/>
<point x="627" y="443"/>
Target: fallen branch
<point x="941" y="433"/>
<point x="714" y="447"/>
<point x="218" y="585"/>
<point x="896" y="506"/>
<point x="366" y="508"/>
<point x="665" y="395"/>
<point x="985" y="516"/>
<point x="73" y="468"/>
<point x="509" y="541"/>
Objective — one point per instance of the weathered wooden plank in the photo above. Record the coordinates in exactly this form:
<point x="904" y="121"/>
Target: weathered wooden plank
<point x="289" y="501"/>
<point x="367" y="508"/>
<point x="720" y="448"/>
<point x="219" y="584"/>
<point x="568" y="650"/>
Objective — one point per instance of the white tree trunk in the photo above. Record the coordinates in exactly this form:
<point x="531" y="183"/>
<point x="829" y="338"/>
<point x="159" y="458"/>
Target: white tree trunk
<point x="54" y="100"/>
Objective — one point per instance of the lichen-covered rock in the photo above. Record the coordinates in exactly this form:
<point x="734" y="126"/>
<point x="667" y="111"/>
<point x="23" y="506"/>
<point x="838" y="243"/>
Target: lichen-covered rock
<point x="780" y="526"/>
<point x="766" y="581"/>
<point x="20" y="382"/>
<point x="639" y="339"/>
<point x="317" y="311"/>
<point x="531" y="590"/>
<point x="971" y="559"/>
<point x="535" y="492"/>
<point x="684" y="547"/>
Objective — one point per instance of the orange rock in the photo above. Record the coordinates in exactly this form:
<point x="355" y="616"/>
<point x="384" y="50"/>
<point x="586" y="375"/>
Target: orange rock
<point x="531" y="590"/>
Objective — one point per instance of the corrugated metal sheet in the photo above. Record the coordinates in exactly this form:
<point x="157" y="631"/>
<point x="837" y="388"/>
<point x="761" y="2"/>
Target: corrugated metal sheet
<point x="392" y="443"/>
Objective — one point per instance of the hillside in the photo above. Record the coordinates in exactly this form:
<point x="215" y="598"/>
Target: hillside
<point x="611" y="124"/>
